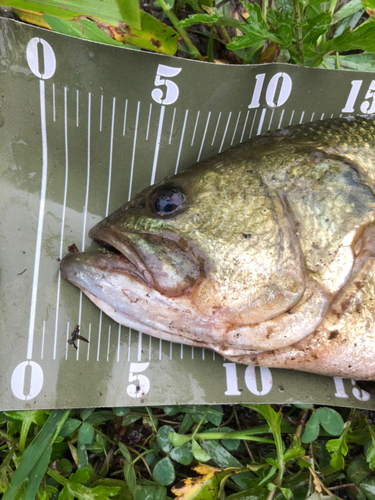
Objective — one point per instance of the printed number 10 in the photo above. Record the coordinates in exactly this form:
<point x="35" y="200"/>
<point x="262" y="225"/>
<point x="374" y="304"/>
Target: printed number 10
<point x="250" y="380"/>
<point x="282" y="79"/>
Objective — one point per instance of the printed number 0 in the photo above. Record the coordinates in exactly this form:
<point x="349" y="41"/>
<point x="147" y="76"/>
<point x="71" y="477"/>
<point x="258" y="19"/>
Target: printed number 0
<point x="143" y="386"/>
<point x="172" y="92"/>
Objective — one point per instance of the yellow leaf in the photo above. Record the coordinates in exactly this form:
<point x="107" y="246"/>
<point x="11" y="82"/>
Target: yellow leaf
<point x="204" y="487"/>
<point x="31" y="17"/>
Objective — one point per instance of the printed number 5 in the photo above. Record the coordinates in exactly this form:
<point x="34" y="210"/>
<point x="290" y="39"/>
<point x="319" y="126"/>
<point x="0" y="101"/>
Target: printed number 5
<point x="143" y="386"/>
<point x="172" y="91"/>
<point x="367" y="107"/>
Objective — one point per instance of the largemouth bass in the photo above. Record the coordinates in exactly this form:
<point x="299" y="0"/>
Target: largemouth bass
<point x="264" y="253"/>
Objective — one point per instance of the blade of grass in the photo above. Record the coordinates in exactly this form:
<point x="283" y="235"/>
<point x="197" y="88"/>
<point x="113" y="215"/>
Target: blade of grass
<point x="36" y="449"/>
<point x="130" y="12"/>
<point x="36" y="475"/>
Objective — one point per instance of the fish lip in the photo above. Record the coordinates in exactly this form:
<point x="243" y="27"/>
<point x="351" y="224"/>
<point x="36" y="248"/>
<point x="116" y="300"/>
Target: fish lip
<point x="107" y="237"/>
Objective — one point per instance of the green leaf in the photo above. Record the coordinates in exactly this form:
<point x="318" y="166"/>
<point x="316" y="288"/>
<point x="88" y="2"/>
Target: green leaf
<point x="230" y="444"/>
<point x="287" y="493"/>
<point x="368" y="489"/>
<point x="304" y="406"/>
<point x="153" y="34"/>
<point x="198" y="452"/>
<point x="99" y="416"/>
<point x="178" y="439"/>
<point x="219" y="454"/>
<point x="130" y="477"/>
<point x="80" y="476"/>
<point x="37" y="474"/>
<point x="186" y="423"/>
<point x="123" y="493"/>
<point x="330" y="420"/>
<point x="311" y="430"/>
<point x="147" y="490"/>
<point x="368" y="4"/>
<point x="83" y="460"/>
<point x="64" y="466"/>
<point x="267" y="478"/>
<point x="130" y="12"/>
<point x="183" y="454"/>
<point x="362" y="37"/>
<point x="82" y="28"/>
<point x="129" y="419"/>
<point x="339" y="450"/>
<point x="317" y="27"/>
<point x="86" y="412"/>
<point x="70" y="426"/>
<point x="370" y="453"/>
<point x="293" y="453"/>
<point x="35" y="450"/>
<point x="215" y="19"/>
<point x="121" y="411"/>
<point x="347" y="10"/>
<point x="358" y="470"/>
<point x="85" y="433"/>
<point x="164" y="472"/>
<point x="358" y="62"/>
<point x="124" y="450"/>
<point x="27" y="418"/>
<point x="162" y="438"/>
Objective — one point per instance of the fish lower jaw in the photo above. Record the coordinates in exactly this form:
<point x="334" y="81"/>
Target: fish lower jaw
<point x="133" y="323"/>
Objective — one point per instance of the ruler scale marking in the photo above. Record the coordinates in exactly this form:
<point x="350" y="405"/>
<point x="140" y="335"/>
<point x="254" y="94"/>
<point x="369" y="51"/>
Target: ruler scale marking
<point x="133" y="153"/>
<point x="118" y="343"/>
<point x="101" y="113"/>
<point x="109" y="341"/>
<point x="217" y="126"/>
<point x="244" y="126"/>
<point x="110" y="156"/>
<point x="195" y="128"/>
<point x="148" y="121"/>
<point x="225" y="131"/>
<point x="62" y="217"/>
<point x="181" y="141"/>
<point x="42" y="203"/>
<point x="157" y="146"/>
<point x="88" y="345"/>
<point x="86" y="203"/>
<point x="235" y="128"/>
<point x="53" y="102"/>
<point x="170" y="135"/>
<point x="125" y="112"/>
<point x="204" y="135"/>
<point x="252" y="125"/>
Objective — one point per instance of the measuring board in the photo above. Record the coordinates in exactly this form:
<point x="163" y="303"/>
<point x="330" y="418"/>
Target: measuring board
<point x="83" y="128"/>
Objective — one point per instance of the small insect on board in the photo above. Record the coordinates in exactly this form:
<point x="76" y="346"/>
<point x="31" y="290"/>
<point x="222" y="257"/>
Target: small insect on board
<point x="84" y="127"/>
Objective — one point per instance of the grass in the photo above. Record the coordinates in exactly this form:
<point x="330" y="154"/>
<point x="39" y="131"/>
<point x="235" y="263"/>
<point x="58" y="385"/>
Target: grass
<point x="198" y="452"/>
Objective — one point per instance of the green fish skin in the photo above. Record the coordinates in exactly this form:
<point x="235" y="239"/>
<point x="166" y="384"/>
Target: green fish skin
<point x="264" y="253"/>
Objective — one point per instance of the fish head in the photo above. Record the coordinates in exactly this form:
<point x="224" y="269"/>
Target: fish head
<point x="209" y="249"/>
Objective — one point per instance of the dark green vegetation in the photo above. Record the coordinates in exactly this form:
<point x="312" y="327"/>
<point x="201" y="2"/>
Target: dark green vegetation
<point x="308" y="32"/>
<point x="236" y="452"/>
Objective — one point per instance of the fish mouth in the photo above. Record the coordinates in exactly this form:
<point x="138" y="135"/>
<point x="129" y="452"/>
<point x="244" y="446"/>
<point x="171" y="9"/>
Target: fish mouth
<point x="120" y="245"/>
<point x="161" y="261"/>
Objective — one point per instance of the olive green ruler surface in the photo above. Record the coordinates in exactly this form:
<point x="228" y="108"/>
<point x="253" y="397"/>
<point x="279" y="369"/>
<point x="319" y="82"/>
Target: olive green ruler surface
<point x="83" y="128"/>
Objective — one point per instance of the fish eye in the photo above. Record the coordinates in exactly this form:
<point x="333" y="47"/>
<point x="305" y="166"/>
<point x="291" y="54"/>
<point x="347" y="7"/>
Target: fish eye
<point x="166" y="201"/>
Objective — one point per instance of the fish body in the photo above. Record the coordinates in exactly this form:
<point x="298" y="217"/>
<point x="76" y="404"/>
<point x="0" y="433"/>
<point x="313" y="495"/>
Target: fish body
<point x="264" y="253"/>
